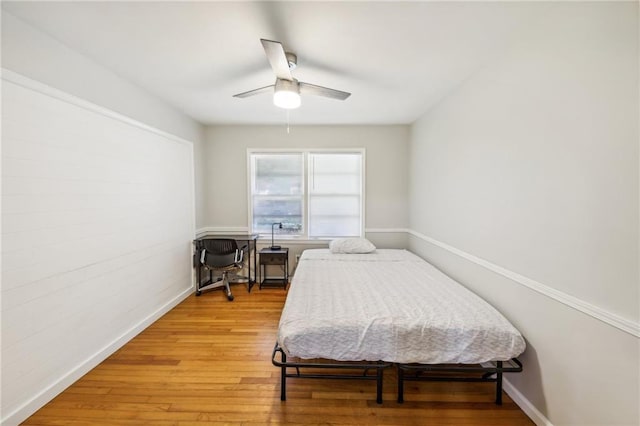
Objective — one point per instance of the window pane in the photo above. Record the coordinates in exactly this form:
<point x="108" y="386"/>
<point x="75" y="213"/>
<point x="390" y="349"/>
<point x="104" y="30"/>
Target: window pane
<point x="335" y="184"/>
<point x="277" y="174"/>
<point x="335" y="173"/>
<point x="334" y="205"/>
<point x="337" y="163"/>
<point x="279" y="185"/>
<point x="335" y="226"/>
<point x="269" y="210"/>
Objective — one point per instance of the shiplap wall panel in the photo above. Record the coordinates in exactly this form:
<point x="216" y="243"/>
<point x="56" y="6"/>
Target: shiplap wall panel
<point x="97" y="223"/>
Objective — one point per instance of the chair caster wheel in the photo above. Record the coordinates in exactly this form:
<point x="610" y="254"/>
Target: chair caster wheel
<point x="198" y="293"/>
<point x="230" y="297"/>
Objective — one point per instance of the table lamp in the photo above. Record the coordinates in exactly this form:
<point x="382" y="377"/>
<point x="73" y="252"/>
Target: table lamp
<point x="279" y="227"/>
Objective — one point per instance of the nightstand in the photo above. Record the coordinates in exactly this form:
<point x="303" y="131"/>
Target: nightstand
<point x="278" y="257"/>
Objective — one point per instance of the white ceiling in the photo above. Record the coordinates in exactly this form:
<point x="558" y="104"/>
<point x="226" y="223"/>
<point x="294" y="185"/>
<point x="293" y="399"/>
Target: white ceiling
<point x="396" y="58"/>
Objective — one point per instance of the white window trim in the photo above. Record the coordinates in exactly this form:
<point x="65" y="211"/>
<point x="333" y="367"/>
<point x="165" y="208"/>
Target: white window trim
<point x="305" y="236"/>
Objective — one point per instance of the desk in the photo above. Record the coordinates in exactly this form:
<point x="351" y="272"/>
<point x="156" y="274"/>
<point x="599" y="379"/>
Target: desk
<point x="249" y="239"/>
<point x="279" y="257"/>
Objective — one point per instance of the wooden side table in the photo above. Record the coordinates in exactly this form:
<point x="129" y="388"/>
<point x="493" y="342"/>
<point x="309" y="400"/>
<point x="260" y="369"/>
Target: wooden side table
<point x="278" y="257"/>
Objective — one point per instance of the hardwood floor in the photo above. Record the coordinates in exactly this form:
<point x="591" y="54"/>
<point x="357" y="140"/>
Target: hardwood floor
<point x="208" y="361"/>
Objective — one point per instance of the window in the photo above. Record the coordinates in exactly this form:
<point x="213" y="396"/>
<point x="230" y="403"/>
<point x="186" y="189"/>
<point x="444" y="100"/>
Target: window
<point x="314" y="194"/>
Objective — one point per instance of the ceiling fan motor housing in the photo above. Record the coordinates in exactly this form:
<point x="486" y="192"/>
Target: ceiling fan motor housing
<point x="287" y="85"/>
<point x="292" y="60"/>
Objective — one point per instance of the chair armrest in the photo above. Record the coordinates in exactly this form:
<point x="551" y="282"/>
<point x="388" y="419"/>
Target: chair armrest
<point x="239" y="256"/>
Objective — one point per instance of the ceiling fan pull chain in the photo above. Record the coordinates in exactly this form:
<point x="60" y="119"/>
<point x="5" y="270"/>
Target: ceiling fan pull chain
<point x="287" y="121"/>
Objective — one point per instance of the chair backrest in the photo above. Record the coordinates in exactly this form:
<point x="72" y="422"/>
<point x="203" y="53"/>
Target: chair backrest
<point x="220" y="252"/>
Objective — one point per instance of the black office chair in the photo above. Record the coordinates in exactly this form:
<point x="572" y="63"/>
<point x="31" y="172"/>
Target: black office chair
<point x="221" y="255"/>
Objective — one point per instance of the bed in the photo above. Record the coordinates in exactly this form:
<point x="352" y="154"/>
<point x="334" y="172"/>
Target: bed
<point x="389" y="307"/>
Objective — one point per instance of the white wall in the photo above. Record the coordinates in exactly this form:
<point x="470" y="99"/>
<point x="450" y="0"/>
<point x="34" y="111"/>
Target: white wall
<point x="531" y="169"/>
<point x="97" y="214"/>
<point x="200" y="182"/>
<point x="386" y="172"/>
<point x="36" y="55"/>
<point x="97" y="223"/>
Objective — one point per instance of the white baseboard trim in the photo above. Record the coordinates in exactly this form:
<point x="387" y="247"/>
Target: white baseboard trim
<point x="529" y="409"/>
<point x="626" y="325"/>
<point x="47" y="394"/>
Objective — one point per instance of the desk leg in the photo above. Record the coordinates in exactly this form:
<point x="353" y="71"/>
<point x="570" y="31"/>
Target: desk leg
<point x="255" y="260"/>
<point x="252" y="280"/>
<point x="249" y="267"/>
<point x="198" y="275"/>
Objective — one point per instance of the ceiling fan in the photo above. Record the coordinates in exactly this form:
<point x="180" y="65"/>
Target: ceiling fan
<point x="287" y="90"/>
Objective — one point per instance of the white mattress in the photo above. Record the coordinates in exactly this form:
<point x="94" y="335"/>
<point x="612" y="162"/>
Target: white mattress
<point x="389" y="305"/>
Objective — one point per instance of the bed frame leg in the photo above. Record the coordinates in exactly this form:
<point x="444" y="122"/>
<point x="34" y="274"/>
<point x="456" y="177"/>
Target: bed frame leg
<point x="283" y="378"/>
<point x="379" y="385"/>
<point x="499" y="384"/>
<point x="400" y="385"/>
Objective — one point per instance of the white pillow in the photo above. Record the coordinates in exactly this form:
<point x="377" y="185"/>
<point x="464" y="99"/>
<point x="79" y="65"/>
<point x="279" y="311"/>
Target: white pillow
<point x="351" y="245"/>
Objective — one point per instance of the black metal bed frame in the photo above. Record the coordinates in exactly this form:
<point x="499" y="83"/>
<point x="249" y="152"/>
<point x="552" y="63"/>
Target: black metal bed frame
<point x="365" y="367"/>
<point x="492" y="373"/>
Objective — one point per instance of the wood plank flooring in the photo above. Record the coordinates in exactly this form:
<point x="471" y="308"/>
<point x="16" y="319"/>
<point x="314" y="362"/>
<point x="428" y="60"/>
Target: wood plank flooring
<point x="208" y="361"/>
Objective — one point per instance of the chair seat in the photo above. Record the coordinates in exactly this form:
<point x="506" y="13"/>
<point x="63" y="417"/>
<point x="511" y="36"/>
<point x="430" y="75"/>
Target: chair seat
<point x="227" y="268"/>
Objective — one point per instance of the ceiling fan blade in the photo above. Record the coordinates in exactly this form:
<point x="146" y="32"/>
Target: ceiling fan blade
<point x="254" y="92"/>
<point x="277" y="58"/>
<point x="312" y="89"/>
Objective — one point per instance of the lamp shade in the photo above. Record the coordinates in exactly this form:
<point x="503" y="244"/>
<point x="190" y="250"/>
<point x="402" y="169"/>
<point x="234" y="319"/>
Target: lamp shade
<point x="287" y="94"/>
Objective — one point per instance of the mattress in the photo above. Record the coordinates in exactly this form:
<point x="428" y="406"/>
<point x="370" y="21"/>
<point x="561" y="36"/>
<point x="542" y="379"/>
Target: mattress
<point x="389" y="305"/>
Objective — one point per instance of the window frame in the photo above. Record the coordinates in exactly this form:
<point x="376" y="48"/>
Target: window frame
<point x="304" y="235"/>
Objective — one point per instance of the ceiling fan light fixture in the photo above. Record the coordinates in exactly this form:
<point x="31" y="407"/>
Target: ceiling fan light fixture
<point x="287" y="94"/>
<point x="287" y="100"/>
